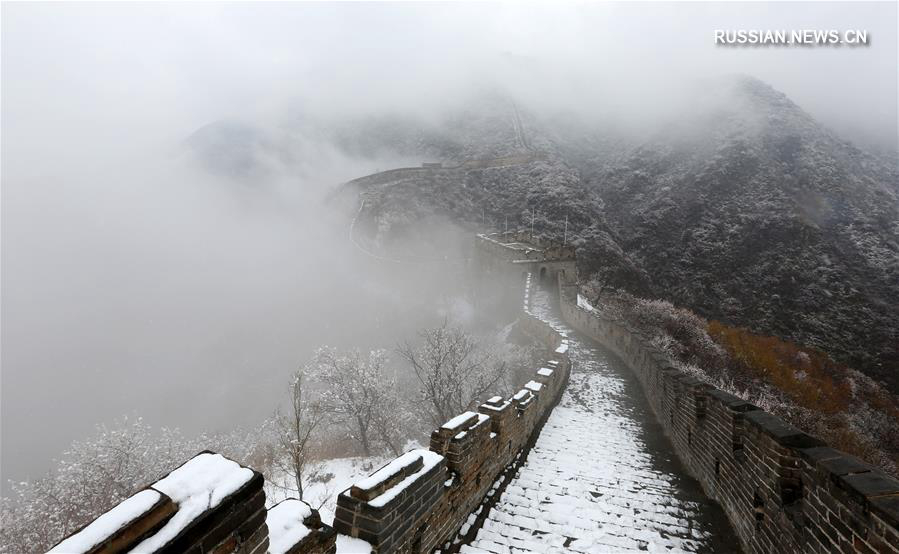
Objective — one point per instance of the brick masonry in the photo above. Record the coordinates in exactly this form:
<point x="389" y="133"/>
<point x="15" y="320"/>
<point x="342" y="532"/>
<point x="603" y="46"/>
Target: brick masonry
<point x="427" y="508"/>
<point x="783" y="490"/>
<point x="236" y="524"/>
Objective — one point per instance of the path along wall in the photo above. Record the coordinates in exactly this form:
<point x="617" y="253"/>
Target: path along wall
<point x="426" y="169"/>
<point x="783" y="490"/>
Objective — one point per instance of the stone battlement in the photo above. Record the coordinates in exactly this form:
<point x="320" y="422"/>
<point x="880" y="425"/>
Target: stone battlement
<point x="208" y="504"/>
<point x="783" y="490"/>
<point x="424" y="497"/>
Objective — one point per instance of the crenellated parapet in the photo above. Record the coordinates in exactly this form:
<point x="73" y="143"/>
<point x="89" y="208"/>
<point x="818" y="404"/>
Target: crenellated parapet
<point x="208" y="504"/>
<point x="783" y="490"/>
<point x="420" y="501"/>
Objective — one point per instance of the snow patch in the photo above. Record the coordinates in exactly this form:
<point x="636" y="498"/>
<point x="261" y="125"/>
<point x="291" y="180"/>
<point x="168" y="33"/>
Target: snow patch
<point x="350" y="545"/>
<point x="285" y="525"/>
<point x="429" y="460"/>
<point x="109" y="523"/>
<point x="198" y="485"/>
<point x="458" y="420"/>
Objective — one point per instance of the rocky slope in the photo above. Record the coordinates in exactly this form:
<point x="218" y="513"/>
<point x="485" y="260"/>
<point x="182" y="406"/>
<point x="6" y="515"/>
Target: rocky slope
<point x="752" y="213"/>
<point x="742" y="208"/>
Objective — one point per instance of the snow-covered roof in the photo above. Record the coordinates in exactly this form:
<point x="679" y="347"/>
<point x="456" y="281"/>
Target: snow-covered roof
<point x="109" y="523"/>
<point x="285" y="525"/>
<point x="198" y="485"/>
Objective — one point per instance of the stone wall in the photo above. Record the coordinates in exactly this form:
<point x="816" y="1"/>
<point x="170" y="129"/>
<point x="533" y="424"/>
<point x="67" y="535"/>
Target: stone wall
<point x="783" y="490"/>
<point x="420" y="501"/>
<point x="208" y="504"/>
<point x="428" y="168"/>
<point x="500" y="255"/>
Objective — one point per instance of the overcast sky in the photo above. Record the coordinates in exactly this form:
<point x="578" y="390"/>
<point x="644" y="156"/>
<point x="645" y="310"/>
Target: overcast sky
<point x="115" y="256"/>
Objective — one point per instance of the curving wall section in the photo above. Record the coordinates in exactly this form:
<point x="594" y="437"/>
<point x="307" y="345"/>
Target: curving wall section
<point x="425" y="499"/>
<point x="783" y="490"/>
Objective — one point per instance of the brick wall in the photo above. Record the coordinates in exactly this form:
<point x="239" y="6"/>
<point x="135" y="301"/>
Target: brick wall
<point x="208" y="504"/>
<point x="419" y="502"/>
<point x="783" y="490"/>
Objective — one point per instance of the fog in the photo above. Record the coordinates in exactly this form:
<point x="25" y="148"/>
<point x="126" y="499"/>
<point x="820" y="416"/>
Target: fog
<point x="137" y="281"/>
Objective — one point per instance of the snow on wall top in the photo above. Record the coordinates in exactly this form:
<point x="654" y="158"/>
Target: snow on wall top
<point x="495" y="405"/>
<point x="544" y="372"/>
<point x="428" y="459"/>
<point x="482" y="418"/>
<point x="350" y="545"/>
<point x="410" y="459"/>
<point x="109" y="523"/>
<point x="459" y="420"/>
<point x="285" y="525"/>
<point x="198" y="485"/>
<point x="533" y="386"/>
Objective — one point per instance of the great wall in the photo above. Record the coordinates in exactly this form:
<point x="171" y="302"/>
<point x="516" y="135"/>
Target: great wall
<point x="488" y="483"/>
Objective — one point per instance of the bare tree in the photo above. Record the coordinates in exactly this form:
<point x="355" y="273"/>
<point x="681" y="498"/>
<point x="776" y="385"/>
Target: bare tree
<point x="94" y="475"/>
<point x="362" y="395"/>
<point x="296" y="432"/>
<point x="454" y="372"/>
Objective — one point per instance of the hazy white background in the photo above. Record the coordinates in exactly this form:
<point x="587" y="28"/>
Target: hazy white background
<point x="134" y="282"/>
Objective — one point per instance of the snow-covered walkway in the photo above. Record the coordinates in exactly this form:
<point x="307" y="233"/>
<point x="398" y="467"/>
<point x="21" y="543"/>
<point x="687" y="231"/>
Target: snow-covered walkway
<point x="602" y="477"/>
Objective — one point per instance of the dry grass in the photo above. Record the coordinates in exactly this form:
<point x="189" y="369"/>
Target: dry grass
<point x="802" y="385"/>
<point x="843" y="407"/>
